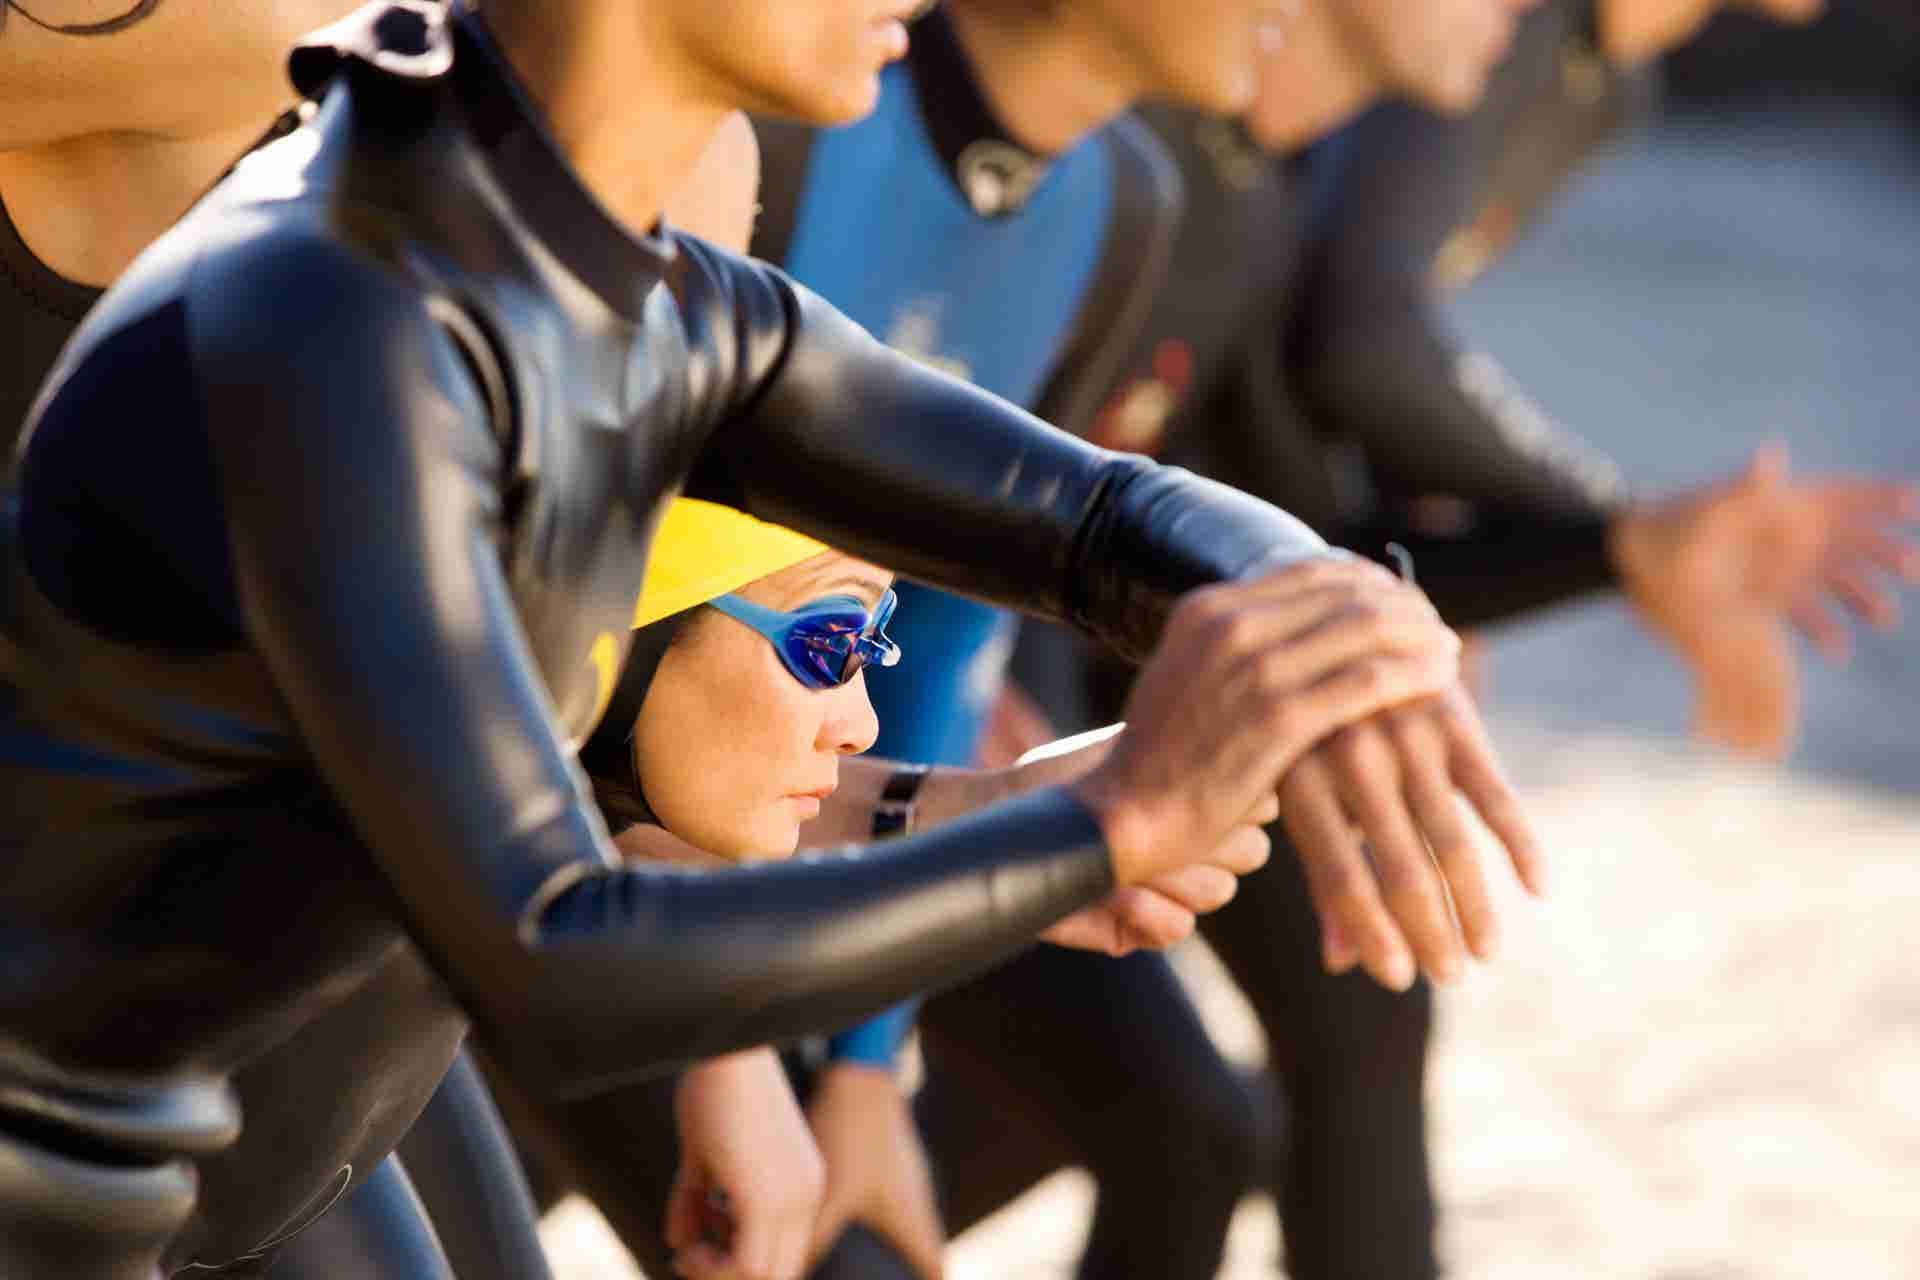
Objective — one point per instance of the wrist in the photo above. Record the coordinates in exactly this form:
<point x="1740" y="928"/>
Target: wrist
<point x="1124" y="825"/>
<point x="897" y="811"/>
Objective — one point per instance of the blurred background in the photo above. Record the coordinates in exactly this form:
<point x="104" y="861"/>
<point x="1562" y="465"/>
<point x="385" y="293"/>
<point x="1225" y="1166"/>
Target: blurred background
<point x="1701" y="1059"/>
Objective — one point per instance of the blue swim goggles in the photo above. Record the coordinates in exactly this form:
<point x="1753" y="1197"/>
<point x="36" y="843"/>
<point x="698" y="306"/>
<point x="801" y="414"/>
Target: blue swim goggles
<point x="824" y="644"/>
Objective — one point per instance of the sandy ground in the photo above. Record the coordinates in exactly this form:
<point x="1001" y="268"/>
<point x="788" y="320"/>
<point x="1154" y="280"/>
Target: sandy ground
<point x="1701" y="1059"/>
<point x="1696" y="1061"/>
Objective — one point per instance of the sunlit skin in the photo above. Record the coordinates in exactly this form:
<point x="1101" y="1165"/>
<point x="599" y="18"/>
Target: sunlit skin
<point x="1344" y="55"/>
<point x="1055" y="72"/>
<point x="737" y="754"/>
<point x="1635" y="31"/>
<point x="106" y="139"/>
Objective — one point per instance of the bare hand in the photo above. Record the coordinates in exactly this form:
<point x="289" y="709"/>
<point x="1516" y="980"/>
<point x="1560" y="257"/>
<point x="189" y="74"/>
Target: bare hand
<point x="1375" y="818"/>
<point x="876" y="1168"/>
<point x="1721" y="573"/>
<point x="1247" y="677"/>
<point x="748" y="1159"/>
<point x="1164" y="911"/>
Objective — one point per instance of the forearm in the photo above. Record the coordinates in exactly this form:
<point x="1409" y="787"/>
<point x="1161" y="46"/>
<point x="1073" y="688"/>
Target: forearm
<point x="1495" y="567"/>
<point x="636" y="970"/>
<point x="944" y="795"/>
<point x="947" y="484"/>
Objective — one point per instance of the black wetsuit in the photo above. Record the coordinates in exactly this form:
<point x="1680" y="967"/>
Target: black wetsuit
<point x="289" y="688"/>
<point x="1009" y="1043"/>
<point x="39" y="310"/>
<point x="1301" y="353"/>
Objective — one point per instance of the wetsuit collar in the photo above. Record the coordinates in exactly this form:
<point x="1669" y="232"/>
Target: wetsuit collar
<point x="995" y="175"/>
<point x="53" y="293"/>
<point x="418" y="42"/>
<point x="545" y="191"/>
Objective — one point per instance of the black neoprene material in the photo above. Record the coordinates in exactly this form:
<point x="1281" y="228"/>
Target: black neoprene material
<point x="1373" y="356"/>
<point x="41" y="309"/>
<point x="382" y="1233"/>
<point x="403" y="405"/>
<point x="1214" y="386"/>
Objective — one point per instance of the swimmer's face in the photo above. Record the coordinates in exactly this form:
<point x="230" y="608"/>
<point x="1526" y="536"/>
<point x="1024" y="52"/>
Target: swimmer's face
<point x="1440" y="53"/>
<point x="736" y="753"/>
<point x="817" y="61"/>
<point x="1634" y="31"/>
<point x="1203" y="53"/>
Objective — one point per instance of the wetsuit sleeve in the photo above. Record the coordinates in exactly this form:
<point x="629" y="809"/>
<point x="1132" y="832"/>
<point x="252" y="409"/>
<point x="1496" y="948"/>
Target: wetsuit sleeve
<point x="1479" y="563"/>
<point x="1497" y="567"/>
<point x="880" y="456"/>
<point x="359" y="474"/>
<point x="1374" y="357"/>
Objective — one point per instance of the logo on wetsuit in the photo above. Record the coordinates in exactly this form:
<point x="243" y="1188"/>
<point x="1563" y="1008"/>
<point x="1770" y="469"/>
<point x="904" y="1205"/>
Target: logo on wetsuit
<point x="1135" y="419"/>
<point x="915" y="333"/>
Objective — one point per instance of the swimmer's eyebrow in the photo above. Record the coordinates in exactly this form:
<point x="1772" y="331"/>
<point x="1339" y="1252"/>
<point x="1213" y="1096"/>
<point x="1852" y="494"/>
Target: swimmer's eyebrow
<point x="869" y="586"/>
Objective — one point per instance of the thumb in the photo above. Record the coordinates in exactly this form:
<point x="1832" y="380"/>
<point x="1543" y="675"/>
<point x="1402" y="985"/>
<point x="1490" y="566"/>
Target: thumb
<point x="1768" y="468"/>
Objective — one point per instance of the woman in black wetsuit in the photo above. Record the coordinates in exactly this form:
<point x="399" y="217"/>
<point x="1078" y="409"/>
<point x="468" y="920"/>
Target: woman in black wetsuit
<point x="408" y="398"/>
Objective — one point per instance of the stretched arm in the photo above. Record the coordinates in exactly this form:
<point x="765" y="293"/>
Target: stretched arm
<point x="875" y="454"/>
<point x="901" y="465"/>
<point x="1367" y="342"/>
<point x="396" y="644"/>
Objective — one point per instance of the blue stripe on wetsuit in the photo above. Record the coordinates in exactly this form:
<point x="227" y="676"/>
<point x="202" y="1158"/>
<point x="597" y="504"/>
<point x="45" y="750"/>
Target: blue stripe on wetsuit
<point x="885" y="235"/>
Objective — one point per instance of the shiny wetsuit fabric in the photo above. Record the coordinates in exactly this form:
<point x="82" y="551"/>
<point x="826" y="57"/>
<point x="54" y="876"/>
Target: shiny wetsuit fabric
<point x="880" y="217"/>
<point x="407" y="404"/>
<point x="39" y="310"/>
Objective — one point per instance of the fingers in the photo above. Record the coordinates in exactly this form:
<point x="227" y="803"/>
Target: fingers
<point x="1476" y="774"/>
<point x="1449" y="837"/>
<point x="833" y="1221"/>
<point x="1870" y="601"/>
<point x="791" y="1250"/>
<point x="1149" y="921"/>
<point x="1339" y="879"/>
<point x="1368" y="775"/>
<point x="1857" y="498"/>
<point x="1361" y="690"/>
<point x="1896" y="557"/>
<point x="1827" y="634"/>
<point x="1266" y="811"/>
<point x="756" y="1243"/>
<point x="1199" y="888"/>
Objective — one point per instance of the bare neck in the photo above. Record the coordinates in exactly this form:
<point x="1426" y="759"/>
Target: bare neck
<point x="87" y="206"/>
<point x="632" y="119"/>
<point x="1318" y="82"/>
<point x="1051" y="81"/>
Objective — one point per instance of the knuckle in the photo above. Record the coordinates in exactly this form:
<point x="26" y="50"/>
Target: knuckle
<point x="1238" y="631"/>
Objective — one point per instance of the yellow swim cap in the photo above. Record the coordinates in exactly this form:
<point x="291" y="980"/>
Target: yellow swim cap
<point x="703" y="550"/>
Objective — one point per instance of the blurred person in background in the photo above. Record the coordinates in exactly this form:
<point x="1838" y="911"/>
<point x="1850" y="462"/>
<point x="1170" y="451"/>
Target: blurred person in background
<point x="397" y="59"/>
<point x="1301" y="347"/>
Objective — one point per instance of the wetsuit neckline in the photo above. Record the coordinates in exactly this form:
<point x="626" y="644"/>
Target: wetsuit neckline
<point x="994" y="174"/>
<point x="547" y="194"/>
<point x="46" y="288"/>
